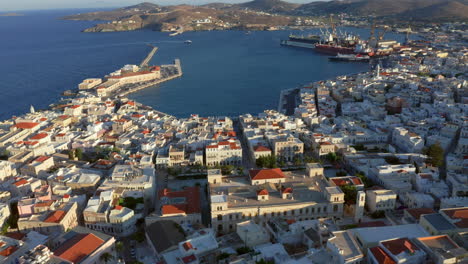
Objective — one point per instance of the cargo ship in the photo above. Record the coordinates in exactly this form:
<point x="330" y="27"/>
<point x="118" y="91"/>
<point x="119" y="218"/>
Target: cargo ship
<point x="301" y="41"/>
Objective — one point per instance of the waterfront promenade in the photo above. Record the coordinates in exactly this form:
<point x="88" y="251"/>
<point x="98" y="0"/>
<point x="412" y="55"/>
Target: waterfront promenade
<point x="170" y="72"/>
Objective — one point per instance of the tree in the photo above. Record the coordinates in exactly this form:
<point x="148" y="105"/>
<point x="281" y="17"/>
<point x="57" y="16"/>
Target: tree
<point x="119" y="246"/>
<point x="332" y="156"/>
<point x="243" y="250"/>
<point x="267" y="162"/>
<point x="435" y="155"/>
<point x="367" y="182"/>
<point x="297" y="160"/>
<point x="79" y="153"/>
<point x="350" y="193"/>
<point x="341" y="173"/>
<point x="106" y="257"/>
<point x="378" y="214"/>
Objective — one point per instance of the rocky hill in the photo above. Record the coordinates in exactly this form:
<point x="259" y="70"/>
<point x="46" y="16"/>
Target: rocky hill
<point x="271" y="6"/>
<point x="409" y="9"/>
<point x="262" y="14"/>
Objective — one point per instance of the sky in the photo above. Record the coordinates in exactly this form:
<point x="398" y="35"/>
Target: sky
<point x="17" y="5"/>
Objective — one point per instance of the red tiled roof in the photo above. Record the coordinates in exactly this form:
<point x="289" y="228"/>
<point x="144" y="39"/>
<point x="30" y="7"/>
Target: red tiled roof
<point x="15" y="235"/>
<point x="381" y="256"/>
<point x="21" y="182"/>
<point x="44" y="204"/>
<point x="55" y="216"/>
<point x="75" y="106"/>
<point x="39" y="136"/>
<point x="79" y="247"/>
<point x="261" y="148"/>
<point x="262" y="192"/>
<point x="356" y="180"/>
<point x="42" y="158"/>
<point x="26" y="125"/>
<point x="189" y="259"/>
<point x="417" y="212"/>
<point x="168" y="209"/>
<point x="287" y="190"/>
<point x="399" y="245"/>
<point x="8" y="251"/>
<point x="191" y="204"/>
<point x="460" y="215"/>
<point x="265" y="174"/>
<point x="340" y="182"/>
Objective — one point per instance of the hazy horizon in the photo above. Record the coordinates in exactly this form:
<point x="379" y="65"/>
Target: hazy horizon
<point x="23" y="5"/>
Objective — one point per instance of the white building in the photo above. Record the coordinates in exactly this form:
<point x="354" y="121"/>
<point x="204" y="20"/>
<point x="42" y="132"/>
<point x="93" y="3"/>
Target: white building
<point x="224" y="153"/>
<point x="380" y="200"/>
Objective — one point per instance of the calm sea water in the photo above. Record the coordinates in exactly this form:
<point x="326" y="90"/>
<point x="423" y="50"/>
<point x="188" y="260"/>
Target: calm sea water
<point x="225" y="72"/>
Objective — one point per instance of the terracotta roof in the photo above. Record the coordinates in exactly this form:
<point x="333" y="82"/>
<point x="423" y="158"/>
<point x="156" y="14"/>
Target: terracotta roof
<point x="265" y="174"/>
<point x="460" y="215"/>
<point x="15" y="235"/>
<point x="26" y="125"/>
<point x="261" y="148"/>
<point x="174" y="209"/>
<point x="262" y="192"/>
<point x="44" y="204"/>
<point x="55" y="216"/>
<point x="78" y="247"/>
<point x="190" y="205"/>
<point x="287" y="190"/>
<point x="189" y="259"/>
<point x="8" y="251"/>
<point x="399" y="245"/>
<point x="381" y="256"/>
<point x="21" y="182"/>
<point x="417" y="212"/>
<point x="39" y="136"/>
<point x="42" y="158"/>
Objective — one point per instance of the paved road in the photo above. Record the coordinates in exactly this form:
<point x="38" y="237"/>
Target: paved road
<point x="247" y="161"/>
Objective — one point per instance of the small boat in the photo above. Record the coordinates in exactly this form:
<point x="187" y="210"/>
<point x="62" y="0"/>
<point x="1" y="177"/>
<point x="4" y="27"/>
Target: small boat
<point x="188" y="41"/>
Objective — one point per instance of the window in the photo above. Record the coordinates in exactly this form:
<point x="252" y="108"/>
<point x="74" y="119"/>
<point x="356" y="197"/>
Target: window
<point x="230" y="217"/>
<point x="220" y="217"/>
<point x="335" y="208"/>
<point x="285" y="213"/>
<point x="300" y="211"/>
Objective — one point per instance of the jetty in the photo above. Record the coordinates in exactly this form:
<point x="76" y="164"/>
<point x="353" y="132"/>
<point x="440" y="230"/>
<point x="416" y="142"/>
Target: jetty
<point x="176" y="68"/>
<point x="149" y="56"/>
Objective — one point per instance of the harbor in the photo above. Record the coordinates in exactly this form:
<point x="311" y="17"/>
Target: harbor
<point x="168" y="72"/>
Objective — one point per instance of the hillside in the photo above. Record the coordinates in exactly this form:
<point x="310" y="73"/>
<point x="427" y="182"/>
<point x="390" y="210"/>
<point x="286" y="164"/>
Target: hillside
<point x="442" y="11"/>
<point x="415" y="9"/>
<point x="256" y="14"/>
<point x="272" y="6"/>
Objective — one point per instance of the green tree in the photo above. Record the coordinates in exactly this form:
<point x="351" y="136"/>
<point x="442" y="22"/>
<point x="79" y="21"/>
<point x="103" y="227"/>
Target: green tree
<point x="106" y="257"/>
<point x="297" y="160"/>
<point x="435" y="155"/>
<point x="332" y="156"/>
<point x="350" y="193"/>
<point x="269" y="161"/>
<point x="79" y="153"/>
<point x="341" y="173"/>
<point x="119" y="246"/>
<point x="367" y="182"/>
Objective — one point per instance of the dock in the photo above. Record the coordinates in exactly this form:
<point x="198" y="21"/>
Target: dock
<point x="176" y="65"/>
<point x="149" y="56"/>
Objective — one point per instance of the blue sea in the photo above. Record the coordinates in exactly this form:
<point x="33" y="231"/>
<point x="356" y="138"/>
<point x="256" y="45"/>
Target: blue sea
<point x="225" y="72"/>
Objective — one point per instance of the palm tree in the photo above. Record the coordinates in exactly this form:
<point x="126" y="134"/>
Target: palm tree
<point x="106" y="257"/>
